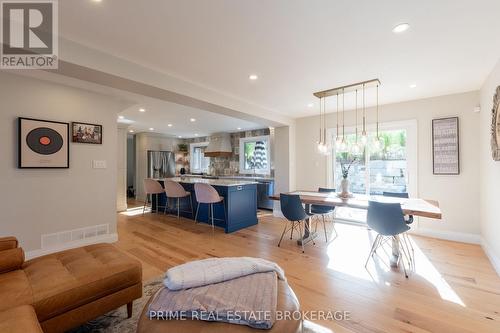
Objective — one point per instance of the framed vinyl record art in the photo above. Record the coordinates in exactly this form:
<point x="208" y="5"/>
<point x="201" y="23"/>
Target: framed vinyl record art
<point x="43" y="144"/>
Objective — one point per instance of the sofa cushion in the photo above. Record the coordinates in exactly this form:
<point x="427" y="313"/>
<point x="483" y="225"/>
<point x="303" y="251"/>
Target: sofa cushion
<point x="21" y="319"/>
<point x="7" y="243"/>
<point x="66" y="280"/>
<point x="12" y="259"/>
<point x="14" y="290"/>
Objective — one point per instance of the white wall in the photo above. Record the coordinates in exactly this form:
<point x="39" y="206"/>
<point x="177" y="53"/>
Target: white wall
<point x="490" y="173"/>
<point x="457" y="195"/>
<point x="145" y="142"/>
<point x="37" y="201"/>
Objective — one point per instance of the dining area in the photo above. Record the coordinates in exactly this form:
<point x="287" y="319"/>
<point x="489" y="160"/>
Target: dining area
<point x="389" y="215"/>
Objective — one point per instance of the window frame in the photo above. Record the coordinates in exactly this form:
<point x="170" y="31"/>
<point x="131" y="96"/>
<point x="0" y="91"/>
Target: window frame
<point x="265" y="171"/>
<point x="192" y="147"/>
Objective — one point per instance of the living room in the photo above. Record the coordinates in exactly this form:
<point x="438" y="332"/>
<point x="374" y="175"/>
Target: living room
<point x="298" y="132"/>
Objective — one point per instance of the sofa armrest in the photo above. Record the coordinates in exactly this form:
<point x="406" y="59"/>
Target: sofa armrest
<point x="11" y="260"/>
<point x="7" y="243"/>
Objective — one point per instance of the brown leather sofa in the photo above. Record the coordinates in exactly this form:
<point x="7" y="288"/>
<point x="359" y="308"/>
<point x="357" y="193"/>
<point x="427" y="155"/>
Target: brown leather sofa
<point x="65" y="289"/>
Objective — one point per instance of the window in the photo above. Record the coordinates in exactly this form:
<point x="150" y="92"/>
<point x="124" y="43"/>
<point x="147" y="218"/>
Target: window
<point x="254" y="155"/>
<point x="378" y="171"/>
<point x="199" y="163"/>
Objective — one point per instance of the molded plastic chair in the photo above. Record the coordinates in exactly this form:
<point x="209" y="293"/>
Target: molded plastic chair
<point x="292" y="209"/>
<point x="323" y="211"/>
<point x="400" y="195"/>
<point x="207" y="194"/>
<point x="151" y="187"/>
<point x="387" y="219"/>
<point x="176" y="191"/>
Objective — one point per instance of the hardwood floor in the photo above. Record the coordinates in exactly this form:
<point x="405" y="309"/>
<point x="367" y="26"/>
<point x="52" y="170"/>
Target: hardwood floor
<point x="453" y="289"/>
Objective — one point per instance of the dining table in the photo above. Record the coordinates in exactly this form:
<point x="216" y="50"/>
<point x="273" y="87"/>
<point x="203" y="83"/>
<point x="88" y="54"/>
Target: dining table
<point x="410" y="206"/>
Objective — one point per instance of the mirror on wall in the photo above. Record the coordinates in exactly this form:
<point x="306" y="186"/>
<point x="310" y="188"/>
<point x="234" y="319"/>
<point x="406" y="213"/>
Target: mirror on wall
<point x="495" y="126"/>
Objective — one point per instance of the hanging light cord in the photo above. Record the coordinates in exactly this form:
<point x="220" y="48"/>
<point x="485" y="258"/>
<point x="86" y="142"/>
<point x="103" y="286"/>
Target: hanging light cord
<point x="364" y="112"/>
<point x="356" y="115"/>
<point x="337" y="133"/>
<point x="343" y="115"/>
<point x="377" y="112"/>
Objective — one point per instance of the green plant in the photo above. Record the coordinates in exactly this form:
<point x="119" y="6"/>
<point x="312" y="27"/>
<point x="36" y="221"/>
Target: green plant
<point x="182" y="147"/>
<point x="349" y="161"/>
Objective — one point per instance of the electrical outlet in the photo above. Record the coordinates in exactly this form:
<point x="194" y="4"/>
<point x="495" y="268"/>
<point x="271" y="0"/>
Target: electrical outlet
<point x="99" y="164"/>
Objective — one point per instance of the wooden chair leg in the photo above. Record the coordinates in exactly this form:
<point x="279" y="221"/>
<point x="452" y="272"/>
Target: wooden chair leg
<point x="129" y="309"/>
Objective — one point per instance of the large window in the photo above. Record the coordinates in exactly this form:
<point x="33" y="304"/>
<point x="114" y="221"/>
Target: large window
<point x="254" y="155"/>
<point x="199" y="163"/>
<point x="377" y="171"/>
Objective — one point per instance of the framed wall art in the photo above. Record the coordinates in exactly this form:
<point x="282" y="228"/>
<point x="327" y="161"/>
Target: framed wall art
<point x="445" y="146"/>
<point x="42" y="144"/>
<point x="86" y="133"/>
<point x="495" y="126"/>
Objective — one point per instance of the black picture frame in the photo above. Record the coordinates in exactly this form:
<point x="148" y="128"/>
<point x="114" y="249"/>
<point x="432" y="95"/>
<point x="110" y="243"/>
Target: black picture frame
<point x="74" y="136"/>
<point x="457" y="147"/>
<point x="20" y="146"/>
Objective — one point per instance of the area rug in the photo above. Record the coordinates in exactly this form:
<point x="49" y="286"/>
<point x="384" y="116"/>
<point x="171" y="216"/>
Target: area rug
<point x="116" y="321"/>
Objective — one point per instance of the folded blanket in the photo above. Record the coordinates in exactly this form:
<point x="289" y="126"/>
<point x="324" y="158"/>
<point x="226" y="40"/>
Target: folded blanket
<point x="250" y="300"/>
<point x="203" y="272"/>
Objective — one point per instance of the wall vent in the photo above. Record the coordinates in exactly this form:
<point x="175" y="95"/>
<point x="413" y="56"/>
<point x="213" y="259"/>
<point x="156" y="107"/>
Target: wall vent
<point x="70" y="236"/>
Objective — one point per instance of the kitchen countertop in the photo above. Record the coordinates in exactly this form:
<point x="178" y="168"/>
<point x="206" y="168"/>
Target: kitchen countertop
<point x="213" y="182"/>
<point x="243" y="177"/>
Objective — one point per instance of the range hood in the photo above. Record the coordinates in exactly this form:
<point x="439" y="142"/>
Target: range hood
<point x="219" y="145"/>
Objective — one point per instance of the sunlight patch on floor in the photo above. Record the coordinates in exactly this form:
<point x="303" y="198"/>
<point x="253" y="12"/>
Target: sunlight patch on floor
<point x="135" y="211"/>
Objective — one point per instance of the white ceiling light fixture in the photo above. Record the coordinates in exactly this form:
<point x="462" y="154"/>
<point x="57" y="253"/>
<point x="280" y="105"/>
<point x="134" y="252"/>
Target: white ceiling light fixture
<point x="195" y="134"/>
<point x="400" y="28"/>
<point x="413" y="85"/>
<point x="239" y="128"/>
<point x="192" y="120"/>
<point x="131" y="131"/>
<point x="142" y="110"/>
<point x="180" y="136"/>
<point x="253" y="77"/>
<point x="151" y="129"/>
<point x="121" y="117"/>
<point x="310" y="105"/>
<point x="169" y="125"/>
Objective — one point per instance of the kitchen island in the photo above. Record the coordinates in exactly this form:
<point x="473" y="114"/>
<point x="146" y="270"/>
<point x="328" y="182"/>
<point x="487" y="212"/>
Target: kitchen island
<point x="237" y="211"/>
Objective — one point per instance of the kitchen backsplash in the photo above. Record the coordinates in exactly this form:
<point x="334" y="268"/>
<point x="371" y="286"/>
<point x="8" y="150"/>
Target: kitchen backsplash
<point x="230" y="165"/>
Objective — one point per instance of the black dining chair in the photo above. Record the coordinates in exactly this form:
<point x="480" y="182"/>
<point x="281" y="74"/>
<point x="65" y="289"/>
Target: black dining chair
<point x="387" y="220"/>
<point x="323" y="211"/>
<point x="292" y="209"/>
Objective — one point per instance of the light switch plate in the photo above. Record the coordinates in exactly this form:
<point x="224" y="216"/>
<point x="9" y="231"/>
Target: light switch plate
<point x="99" y="164"/>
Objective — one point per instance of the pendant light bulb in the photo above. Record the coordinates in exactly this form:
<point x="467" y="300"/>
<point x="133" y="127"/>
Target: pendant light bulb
<point x="378" y="144"/>
<point x="355" y="149"/>
<point x="364" y="138"/>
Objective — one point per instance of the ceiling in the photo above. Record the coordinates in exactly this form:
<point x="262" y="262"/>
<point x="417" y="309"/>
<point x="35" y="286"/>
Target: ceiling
<point x="159" y="114"/>
<point x="297" y="47"/>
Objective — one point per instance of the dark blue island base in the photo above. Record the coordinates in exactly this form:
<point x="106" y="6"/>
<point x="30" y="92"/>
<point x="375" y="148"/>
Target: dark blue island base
<point x="239" y="205"/>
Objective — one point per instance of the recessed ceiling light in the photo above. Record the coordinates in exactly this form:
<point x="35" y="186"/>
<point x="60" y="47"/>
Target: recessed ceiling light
<point x="169" y="125"/>
<point x="195" y="134"/>
<point x="413" y="85"/>
<point x="180" y="136"/>
<point x="151" y="129"/>
<point x="253" y="77"/>
<point x="121" y="117"/>
<point x="131" y="131"/>
<point x="142" y="110"/>
<point x="402" y="27"/>
<point x="192" y="120"/>
<point x="310" y="105"/>
<point x="239" y="128"/>
<point x="96" y="0"/>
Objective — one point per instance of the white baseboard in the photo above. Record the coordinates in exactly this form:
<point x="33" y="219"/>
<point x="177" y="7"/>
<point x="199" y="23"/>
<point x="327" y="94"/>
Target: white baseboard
<point x="108" y="238"/>
<point x="448" y="235"/>
<point x="494" y="259"/>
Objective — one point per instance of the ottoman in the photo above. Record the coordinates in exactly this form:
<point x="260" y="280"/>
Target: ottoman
<point x="287" y="301"/>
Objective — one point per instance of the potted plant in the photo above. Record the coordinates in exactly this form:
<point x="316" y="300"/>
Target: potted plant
<point x="346" y="163"/>
<point x="182" y="147"/>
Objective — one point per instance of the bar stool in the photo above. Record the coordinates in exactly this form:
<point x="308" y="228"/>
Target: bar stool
<point x="207" y="194"/>
<point x="151" y="187"/>
<point x="175" y="190"/>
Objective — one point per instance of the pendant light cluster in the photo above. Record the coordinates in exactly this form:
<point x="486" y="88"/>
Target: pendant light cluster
<point x="361" y="135"/>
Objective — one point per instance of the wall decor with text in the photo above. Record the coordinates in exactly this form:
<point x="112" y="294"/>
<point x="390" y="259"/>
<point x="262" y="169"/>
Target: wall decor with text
<point x="445" y="146"/>
<point x="87" y="133"/>
<point x="42" y="143"/>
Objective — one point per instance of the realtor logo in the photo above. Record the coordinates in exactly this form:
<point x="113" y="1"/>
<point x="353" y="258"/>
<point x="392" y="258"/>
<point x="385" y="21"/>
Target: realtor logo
<point x="29" y="34"/>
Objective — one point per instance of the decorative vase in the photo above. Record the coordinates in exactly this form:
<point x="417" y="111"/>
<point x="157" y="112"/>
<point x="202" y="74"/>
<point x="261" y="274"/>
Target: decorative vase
<point x="344" y="186"/>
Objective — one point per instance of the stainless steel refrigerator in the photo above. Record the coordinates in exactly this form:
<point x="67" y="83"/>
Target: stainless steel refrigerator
<point x="161" y="164"/>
